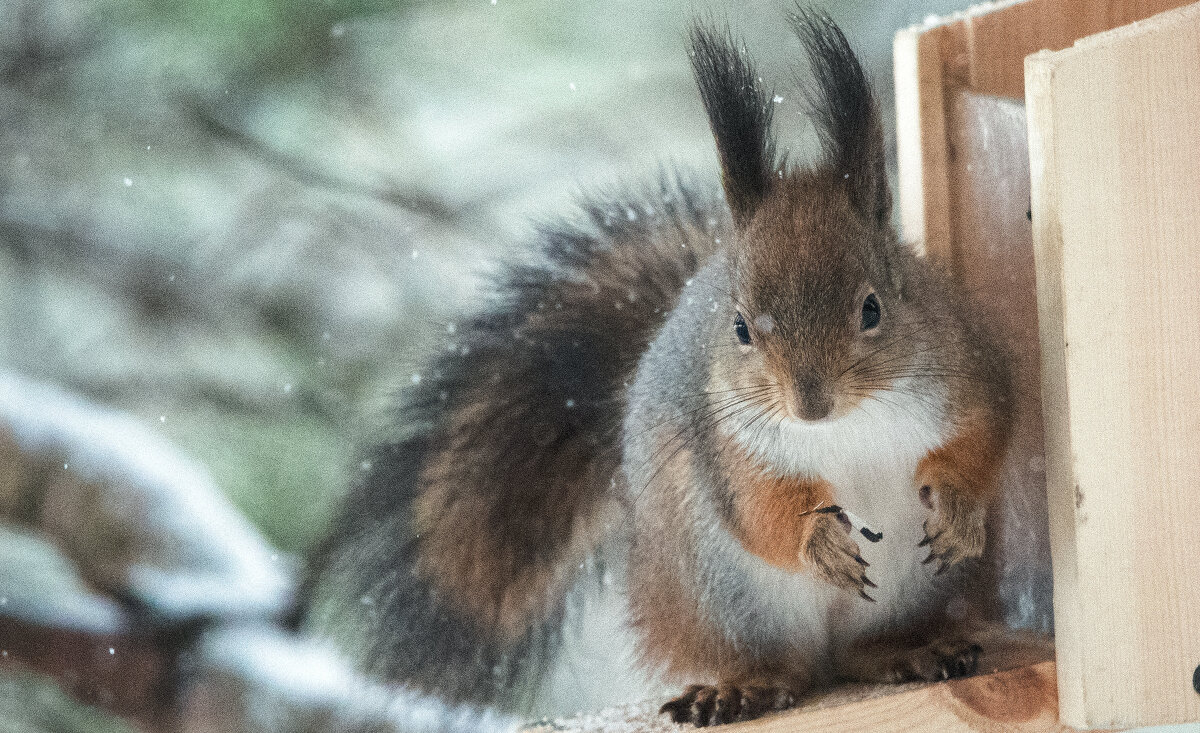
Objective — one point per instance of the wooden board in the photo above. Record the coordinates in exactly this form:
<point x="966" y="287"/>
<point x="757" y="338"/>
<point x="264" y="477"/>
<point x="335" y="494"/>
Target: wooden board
<point x="1021" y="700"/>
<point x="980" y="50"/>
<point x="1018" y="701"/>
<point x="1115" y="148"/>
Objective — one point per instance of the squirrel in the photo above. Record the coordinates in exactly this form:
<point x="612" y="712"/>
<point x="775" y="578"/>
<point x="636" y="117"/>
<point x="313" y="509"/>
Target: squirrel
<point x="794" y="421"/>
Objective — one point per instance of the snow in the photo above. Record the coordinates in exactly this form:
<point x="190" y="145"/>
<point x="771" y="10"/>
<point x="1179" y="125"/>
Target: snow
<point x="189" y="551"/>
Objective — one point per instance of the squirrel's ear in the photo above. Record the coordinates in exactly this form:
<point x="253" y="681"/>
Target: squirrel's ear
<point x="739" y="112"/>
<point x="846" y="114"/>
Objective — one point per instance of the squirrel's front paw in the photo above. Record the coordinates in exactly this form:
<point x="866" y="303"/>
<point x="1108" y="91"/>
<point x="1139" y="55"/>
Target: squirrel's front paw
<point x="956" y="528"/>
<point x="704" y="705"/>
<point x="833" y="556"/>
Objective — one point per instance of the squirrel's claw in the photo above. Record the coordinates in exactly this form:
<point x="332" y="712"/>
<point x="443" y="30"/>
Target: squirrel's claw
<point x="955" y="528"/>
<point x="704" y="705"/>
<point x="835" y="557"/>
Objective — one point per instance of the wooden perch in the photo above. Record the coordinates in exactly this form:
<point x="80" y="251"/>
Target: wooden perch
<point x="1021" y="700"/>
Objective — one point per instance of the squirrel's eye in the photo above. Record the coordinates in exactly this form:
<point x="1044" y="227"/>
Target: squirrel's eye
<point x="742" y="330"/>
<point x="870" y="312"/>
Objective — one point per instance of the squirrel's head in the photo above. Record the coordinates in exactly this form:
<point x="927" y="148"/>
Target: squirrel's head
<point x="817" y="301"/>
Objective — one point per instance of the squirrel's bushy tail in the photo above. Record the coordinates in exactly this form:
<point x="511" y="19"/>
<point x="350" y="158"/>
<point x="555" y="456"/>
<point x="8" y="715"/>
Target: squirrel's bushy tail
<point x="450" y="563"/>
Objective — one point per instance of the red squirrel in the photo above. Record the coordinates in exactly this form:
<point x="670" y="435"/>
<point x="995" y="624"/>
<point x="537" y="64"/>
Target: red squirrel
<point x="793" y="423"/>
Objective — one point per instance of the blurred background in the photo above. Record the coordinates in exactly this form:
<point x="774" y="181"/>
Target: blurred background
<point x="246" y="222"/>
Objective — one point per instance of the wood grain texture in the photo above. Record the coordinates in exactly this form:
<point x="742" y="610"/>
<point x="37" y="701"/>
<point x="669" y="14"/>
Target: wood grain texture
<point x="1020" y="700"/>
<point x="1116" y="211"/>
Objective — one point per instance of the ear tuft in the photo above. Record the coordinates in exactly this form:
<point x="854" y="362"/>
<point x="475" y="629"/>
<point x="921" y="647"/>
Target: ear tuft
<point x="846" y="114"/>
<point x="739" y="113"/>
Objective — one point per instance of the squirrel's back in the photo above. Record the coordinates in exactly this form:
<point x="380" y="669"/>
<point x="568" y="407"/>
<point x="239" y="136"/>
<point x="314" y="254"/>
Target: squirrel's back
<point x="449" y="566"/>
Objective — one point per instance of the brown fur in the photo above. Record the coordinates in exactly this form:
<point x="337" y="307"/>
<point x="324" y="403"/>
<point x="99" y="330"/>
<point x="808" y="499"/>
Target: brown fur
<point x="485" y="572"/>
<point x="464" y="559"/>
<point x="969" y="463"/>
<point x="773" y="515"/>
<point x="615" y="360"/>
<point x="959" y="480"/>
<point x="911" y="656"/>
<point x="484" y="566"/>
<point x="812" y="248"/>
<point x="451" y="564"/>
<point x="675" y="636"/>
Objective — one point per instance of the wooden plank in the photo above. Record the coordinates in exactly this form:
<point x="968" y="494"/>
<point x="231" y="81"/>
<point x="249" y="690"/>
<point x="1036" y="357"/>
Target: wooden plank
<point x="1020" y="700"/>
<point x="998" y="40"/>
<point x="979" y="50"/>
<point x="1116" y="210"/>
<point x="921" y="142"/>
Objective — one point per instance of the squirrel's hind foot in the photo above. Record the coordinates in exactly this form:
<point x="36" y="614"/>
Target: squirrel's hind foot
<point x="941" y="659"/>
<point x="704" y="705"/>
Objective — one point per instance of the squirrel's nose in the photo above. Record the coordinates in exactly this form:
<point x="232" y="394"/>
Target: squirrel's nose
<point x="811" y="401"/>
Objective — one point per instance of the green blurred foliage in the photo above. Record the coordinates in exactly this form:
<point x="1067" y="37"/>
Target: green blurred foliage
<point x="256" y="37"/>
<point x="32" y="704"/>
<point x="285" y="474"/>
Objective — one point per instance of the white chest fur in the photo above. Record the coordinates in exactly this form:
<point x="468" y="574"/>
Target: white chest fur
<point x="869" y="456"/>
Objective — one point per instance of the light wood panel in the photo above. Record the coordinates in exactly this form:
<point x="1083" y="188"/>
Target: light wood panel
<point x="1114" y="128"/>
